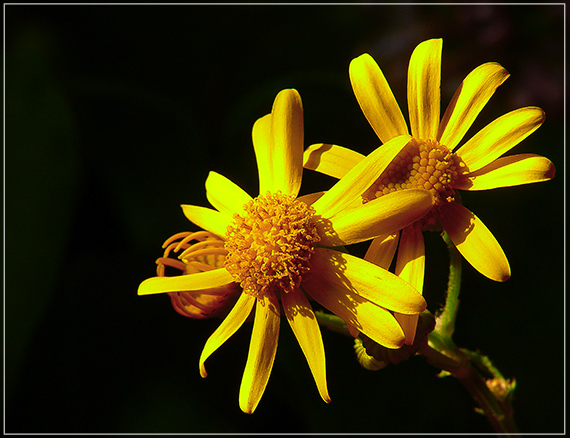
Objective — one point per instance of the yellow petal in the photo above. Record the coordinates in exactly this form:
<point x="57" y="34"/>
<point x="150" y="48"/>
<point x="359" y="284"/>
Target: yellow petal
<point x="288" y="137"/>
<point x="367" y="280"/>
<point x="183" y="283"/>
<point x="210" y="220"/>
<point x="424" y="80"/>
<point x="227" y="328"/>
<point x="262" y="137"/>
<point x="359" y="178"/>
<point x="500" y="136"/>
<point x="475" y="242"/>
<point x="382" y="249"/>
<point x="383" y="215"/>
<point x="330" y="159"/>
<point x="410" y="266"/>
<point x="306" y="328"/>
<point x="310" y="198"/>
<point x="509" y="171"/>
<point x="358" y="312"/>
<point x="376" y="98"/>
<point x="468" y="101"/>
<point x="224" y="195"/>
<point x="261" y="353"/>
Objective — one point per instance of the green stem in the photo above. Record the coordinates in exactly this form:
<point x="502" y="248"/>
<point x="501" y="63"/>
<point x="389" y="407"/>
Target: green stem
<point x="332" y="322"/>
<point x="445" y="324"/>
<point x="499" y="413"/>
<point x="494" y="400"/>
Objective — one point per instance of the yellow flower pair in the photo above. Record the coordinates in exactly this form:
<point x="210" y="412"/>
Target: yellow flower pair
<point x="275" y="252"/>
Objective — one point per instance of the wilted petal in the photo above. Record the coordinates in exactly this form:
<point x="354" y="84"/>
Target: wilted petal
<point x="227" y="328"/>
<point x="468" y="101"/>
<point x="508" y="171"/>
<point x="330" y="159"/>
<point x="210" y="220"/>
<point x="306" y="328"/>
<point x="499" y="137"/>
<point x="367" y="280"/>
<point x="262" y="349"/>
<point x="224" y="195"/>
<point x="376" y="98"/>
<point x="182" y="283"/>
<point x="288" y="137"/>
<point x="475" y="242"/>
<point x="383" y="215"/>
<point x="424" y="81"/>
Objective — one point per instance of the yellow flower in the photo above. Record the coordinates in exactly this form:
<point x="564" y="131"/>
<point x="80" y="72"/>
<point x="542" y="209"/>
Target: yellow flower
<point x="277" y="251"/>
<point x="433" y="160"/>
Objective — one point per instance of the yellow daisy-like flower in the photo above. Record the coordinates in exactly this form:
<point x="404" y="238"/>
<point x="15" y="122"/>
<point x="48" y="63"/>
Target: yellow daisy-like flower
<point x="435" y="160"/>
<point x="276" y="250"/>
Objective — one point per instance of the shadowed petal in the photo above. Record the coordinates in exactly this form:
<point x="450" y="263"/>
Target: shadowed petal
<point x="310" y="198"/>
<point x="306" y="328"/>
<point x="224" y="195"/>
<point x="263" y="146"/>
<point x="359" y="178"/>
<point x="227" y="328"/>
<point x="367" y="280"/>
<point x="382" y="249"/>
<point x="424" y="80"/>
<point x="182" y="283"/>
<point x="210" y="220"/>
<point x="383" y="215"/>
<point x="475" y="242"/>
<point x="262" y="349"/>
<point x="376" y="98"/>
<point x="288" y="138"/>
<point x="330" y="159"/>
<point x="410" y="266"/>
<point x="468" y="101"/>
<point x="500" y="136"/>
<point x="508" y="171"/>
<point x="358" y="312"/>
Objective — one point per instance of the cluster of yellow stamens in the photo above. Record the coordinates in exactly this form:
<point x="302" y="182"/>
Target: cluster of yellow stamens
<point x="271" y="244"/>
<point x="424" y="164"/>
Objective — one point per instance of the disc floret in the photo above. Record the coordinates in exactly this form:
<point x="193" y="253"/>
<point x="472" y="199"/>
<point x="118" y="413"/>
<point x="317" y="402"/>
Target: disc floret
<point x="271" y="244"/>
<point x="424" y="164"/>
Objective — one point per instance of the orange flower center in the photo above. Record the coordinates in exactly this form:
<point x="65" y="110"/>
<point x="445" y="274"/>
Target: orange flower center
<point x="270" y="246"/>
<point x="422" y="164"/>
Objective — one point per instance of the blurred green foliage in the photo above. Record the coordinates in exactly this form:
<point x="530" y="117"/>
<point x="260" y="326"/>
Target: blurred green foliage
<point x="115" y="115"/>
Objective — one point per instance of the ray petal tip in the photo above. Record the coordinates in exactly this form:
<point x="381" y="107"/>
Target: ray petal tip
<point x="203" y="372"/>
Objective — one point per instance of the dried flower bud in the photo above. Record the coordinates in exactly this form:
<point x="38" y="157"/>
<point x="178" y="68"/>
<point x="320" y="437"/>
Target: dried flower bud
<point x="202" y="251"/>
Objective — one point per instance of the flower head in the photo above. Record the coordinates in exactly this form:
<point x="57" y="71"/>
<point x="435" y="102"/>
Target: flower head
<point x="275" y="249"/>
<point x="435" y="159"/>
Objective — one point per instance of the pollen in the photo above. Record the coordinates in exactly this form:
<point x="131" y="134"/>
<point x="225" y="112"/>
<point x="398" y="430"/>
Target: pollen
<point x="424" y="164"/>
<point x="270" y="245"/>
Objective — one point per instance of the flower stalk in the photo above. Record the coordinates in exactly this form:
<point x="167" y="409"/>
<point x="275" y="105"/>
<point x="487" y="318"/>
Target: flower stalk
<point x="493" y="395"/>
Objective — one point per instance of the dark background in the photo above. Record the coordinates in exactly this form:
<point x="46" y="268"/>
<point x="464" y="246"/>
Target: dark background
<point x="115" y="115"/>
